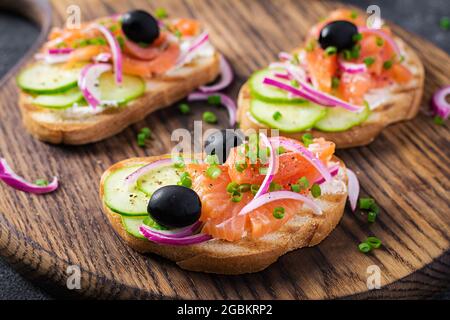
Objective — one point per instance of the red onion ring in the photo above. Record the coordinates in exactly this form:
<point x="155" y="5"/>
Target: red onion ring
<point x="285" y="56"/>
<point x="176" y="233"/>
<point x="60" y="50"/>
<point x="161" y="239"/>
<point x="226" y="77"/>
<point x="133" y="177"/>
<point x="333" y="172"/>
<point x="383" y="35"/>
<point x="353" y="189"/>
<point x="115" y="50"/>
<point x="439" y="104"/>
<point x="352" y="67"/>
<point x="103" y="57"/>
<point x="197" y="43"/>
<point x="87" y="82"/>
<point x="224" y="99"/>
<point x="8" y="176"/>
<point x="271" y="168"/>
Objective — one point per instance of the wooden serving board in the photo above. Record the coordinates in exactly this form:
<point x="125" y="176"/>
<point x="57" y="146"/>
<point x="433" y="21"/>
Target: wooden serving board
<point x="406" y="170"/>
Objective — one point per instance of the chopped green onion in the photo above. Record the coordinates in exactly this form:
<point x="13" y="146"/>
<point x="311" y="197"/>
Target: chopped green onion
<point x="262" y="170"/>
<point x="275" y="186"/>
<point x="185" y="180"/>
<point x="278" y="213"/>
<point x="147" y="132"/>
<point x="295" y="83"/>
<point x="357" y="37"/>
<point x="232" y="187"/>
<point x="281" y="150"/>
<point x="355" y="52"/>
<point x="41" y="182"/>
<point x="335" y="82"/>
<point x="295" y="59"/>
<point x="330" y="50"/>
<point x="438" y="120"/>
<point x="212" y="159"/>
<point x="307" y="139"/>
<point x="366" y="203"/>
<point x="209" y="117"/>
<point x="310" y="46"/>
<point x="213" y="172"/>
<point x="277" y="115"/>
<point x="245" y="187"/>
<point x="369" y="61"/>
<point x="179" y="163"/>
<point x="371" y="217"/>
<point x="161" y="13"/>
<point x="387" y="64"/>
<point x="141" y="137"/>
<point x="121" y="41"/>
<point x="184" y="108"/>
<point x="373" y="242"/>
<point x="364" y="247"/>
<point x="315" y="190"/>
<point x="295" y="188"/>
<point x="254" y="188"/>
<point x="444" y="23"/>
<point x="240" y="167"/>
<point x="178" y="33"/>
<point x="253" y="148"/>
<point x="303" y="183"/>
<point x="354" y="14"/>
<point x="236" y="197"/>
<point x="347" y="54"/>
<point x="379" y="41"/>
<point x="214" y="99"/>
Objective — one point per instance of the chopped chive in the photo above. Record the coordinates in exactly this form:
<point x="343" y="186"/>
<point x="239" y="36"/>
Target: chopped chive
<point x="310" y="46"/>
<point x="303" y="183"/>
<point x="275" y="186"/>
<point x="121" y="41"/>
<point x="295" y="59"/>
<point x="213" y="172"/>
<point x="277" y="115"/>
<point x="369" y="61"/>
<point x="141" y="137"/>
<point x="278" y="213"/>
<point x="373" y="242"/>
<point x="379" y="41"/>
<point x="153" y="224"/>
<point x="178" y="33"/>
<point x="364" y="247"/>
<point x="254" y="188"/>
<point x="185" y="180"/>
<point x="179" y="163"/>
<point x="209" y="117"/>
<point x="371" y="217"/>
<point x="114" y="28"/>
<point x="402" y="58"/>
<point x="232" y="187"/>
<point x="444" y="23"/>
<point x="315" y="190"/>
<point x="253" y="148"/>
<point x="262" y="170"/>
<point x="366" y="203"/>
<point x="184" y="108"/>
<point x="347" y="54"/>
<point x="330" y="50"/>
<point x="295" y="188"/>
<point x="281" y="150"/>
<point x="335" y="82"/>
<point x="236" y="197"/>
<point x="245" y="187"/>
<point x="214" y="99"/>
<point x="240" y="167"/>
<point x="161" y="13"/>
<point x="355" y="52"/>
<point x="438" y="120"/>
<point x="357" y="37"/>
<point x="354" y="14"/>
<point x="387" y="64"/>
<point x="212" y="159"/>
<point x="147" y="132"/>
<point x="307" y="139"/>
<point x="295" y="83"/>
<point x="41" y="182"/>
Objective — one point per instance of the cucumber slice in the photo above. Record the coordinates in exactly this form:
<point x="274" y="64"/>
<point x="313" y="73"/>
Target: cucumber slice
<point x="122" y="199"/>
<point x="132" y="224"/>
<point x="130" y="88"/>
<point x="59" y="100"/>
<point x="269" y="93"/>
<point x="158" y="177"/>
<point x="340" y="119"/>
<point x="294" y="117"/>
<point x="48" y="78"/>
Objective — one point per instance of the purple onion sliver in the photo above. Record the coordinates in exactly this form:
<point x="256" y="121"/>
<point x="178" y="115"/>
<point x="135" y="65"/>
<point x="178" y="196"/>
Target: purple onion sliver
<point x="160" y="239"/>
<point x="133" y="177"/>
<point x="353" y="189"/>
<point x="226" y="77"/>
<point x="440" y="106"/>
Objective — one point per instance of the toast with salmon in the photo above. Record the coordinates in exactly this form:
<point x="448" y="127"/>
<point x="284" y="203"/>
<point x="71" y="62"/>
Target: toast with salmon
<point x="346" y="95"/>
<point x="88" y="84"/>
<point x="223" y="240"/>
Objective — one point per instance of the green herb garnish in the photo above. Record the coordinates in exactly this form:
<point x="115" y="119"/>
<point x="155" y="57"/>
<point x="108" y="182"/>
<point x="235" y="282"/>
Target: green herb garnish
<point x="213" y="172"/>
<point x="366" y="203"/>
<point x="277" y="115"/>
<point x="374" y="242"/>
<point x="364" y="247"/>
<point x="41" y="182"/>
<point x="278" y="213"/>
<point x="371" y="216"/>
<point x="209" y="117"/>
<point x="179" y="163"/>
<point x="295" y="83"/>
<point x="236" y="197"/>
<point x="141" y="138"/>
<point x="254" y="188"/>
<point x="303" y="183"/>
<point x="330" y="50"/>
<point x="214" y="99"/>
<point x="369" y="61"/>
<point x="335" y="81"/>
<point x="275" y="186"/>
<point x="147" y="132"/>
<point x="184" y="108"/>
<point x="438" y="120"/>
<point x="315" y="190"/>
<point x="295" y="188"/>
<point x="307" y="139"/>
<point x="232" y="187"/>
<point x="185" y="180"/>
<point x="161" y="13"/>
<point x="310" y="46"/>
<point x="212" y="159"/>
<point x="245" y="187"/>
<point x="178" y="33"/>
<point x="240" y="166"/>
<point x="387" y="64"/>
<point x="379" y="41"/>
<point x="444" y="23"/>
<point x="357" y="37"/>
<point x="121" y="41"/>
<point x="354" y="14"/>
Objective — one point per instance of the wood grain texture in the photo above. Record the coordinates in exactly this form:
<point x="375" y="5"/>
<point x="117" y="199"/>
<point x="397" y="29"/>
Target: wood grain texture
<point x="404" y="169"/>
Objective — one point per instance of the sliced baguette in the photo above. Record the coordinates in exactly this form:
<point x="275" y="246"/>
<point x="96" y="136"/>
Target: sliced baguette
<point x="403" y="104"/>
<point x="245" y="256"/>
<point x="49" y="126"/>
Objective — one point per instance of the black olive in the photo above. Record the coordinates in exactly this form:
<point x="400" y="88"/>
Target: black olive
<point x="174" y="206"/>
<point x="220" y="143"/>
<point x="139" y="26"/>
<point x="339" y="34"/>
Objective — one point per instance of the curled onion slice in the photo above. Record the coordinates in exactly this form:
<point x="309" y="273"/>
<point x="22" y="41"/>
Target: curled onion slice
<point x="279" y="195"/>
<point x="308" y="155"/>
<point x="224" y="100"/>
<point x="115" y="50"/>
<point x="352" y="68"/>
<point x="333" y="172"/>
<point x="8" y="176"/>
<point x="440" y="105"/>
<point x="353" y="189"/>
<point x="226" y="77"/>
<point x="103" y="57"/>
<point x="133" y="177"/>
<point x="162" y="239"/>
<point x="271" y="168"/>
<point x="176" y="233"/>
<point x="285" y="56"/>
<point x="88" y="82"/>
<point x="196" y="43"/>
<point x="380" y="33"/>
<point x="60" y="50"/>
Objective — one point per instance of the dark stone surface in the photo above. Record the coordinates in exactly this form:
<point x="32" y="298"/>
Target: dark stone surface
<point x="418" y="16"/>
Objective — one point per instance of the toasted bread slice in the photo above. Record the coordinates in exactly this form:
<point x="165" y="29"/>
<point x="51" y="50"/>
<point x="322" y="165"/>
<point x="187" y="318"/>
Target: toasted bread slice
<point x="48" y="125"/>
<point x="402" y="104"/>
<point x="245" y="256"/>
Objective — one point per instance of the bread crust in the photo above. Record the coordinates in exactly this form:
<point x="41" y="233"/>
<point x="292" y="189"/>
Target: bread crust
<point x="46" y="125"/>
<point x="244" y="256"/>
<point x="403" y="105"/>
